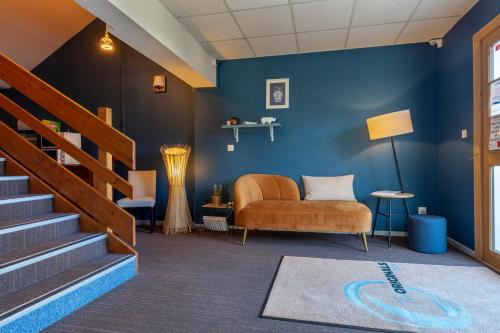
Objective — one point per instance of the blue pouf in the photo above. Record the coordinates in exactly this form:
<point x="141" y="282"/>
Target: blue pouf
<point x="427" y="233"/>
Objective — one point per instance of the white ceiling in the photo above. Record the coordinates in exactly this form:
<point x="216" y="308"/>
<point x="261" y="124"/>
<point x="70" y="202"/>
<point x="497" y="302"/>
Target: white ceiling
<point x="231" y="29"/>
<point x="31" y="30"/>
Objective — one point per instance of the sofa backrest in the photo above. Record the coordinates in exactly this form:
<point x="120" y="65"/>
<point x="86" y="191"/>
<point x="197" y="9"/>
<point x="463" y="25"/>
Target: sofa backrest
<point x="256" y="187"/>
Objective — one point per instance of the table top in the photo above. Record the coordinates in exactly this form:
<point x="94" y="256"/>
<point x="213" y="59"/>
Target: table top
<point x="392" y="195"/>
<point x="222" y="206"/>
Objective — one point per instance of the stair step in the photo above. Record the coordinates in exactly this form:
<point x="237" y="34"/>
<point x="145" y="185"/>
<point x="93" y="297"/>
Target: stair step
<point x="13" y="185"/>
<point x="20" y="269"/>
<point x="23" y="233"/>
<point x="13" y="207"/>
<point x="38" y="306"/>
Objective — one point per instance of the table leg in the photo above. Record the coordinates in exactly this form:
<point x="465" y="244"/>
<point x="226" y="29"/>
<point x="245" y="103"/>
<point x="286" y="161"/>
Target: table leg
<point x="376" y="215"/>
<point x="390" y="222"/>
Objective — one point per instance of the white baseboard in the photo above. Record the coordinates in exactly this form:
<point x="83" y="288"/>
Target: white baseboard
<point x="461" y="247"/>
<point x="393" y="233"/>
<point x="377" y="232"/>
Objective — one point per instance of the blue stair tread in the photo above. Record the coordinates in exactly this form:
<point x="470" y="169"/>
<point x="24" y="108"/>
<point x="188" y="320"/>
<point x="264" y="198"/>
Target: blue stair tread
<point x="12" y="223"/>
<point x="16" y="256"/>
<point x="19" y="299"/>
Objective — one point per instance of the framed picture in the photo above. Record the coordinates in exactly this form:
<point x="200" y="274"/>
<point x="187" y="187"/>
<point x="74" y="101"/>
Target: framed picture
<point x="277" y="94"/>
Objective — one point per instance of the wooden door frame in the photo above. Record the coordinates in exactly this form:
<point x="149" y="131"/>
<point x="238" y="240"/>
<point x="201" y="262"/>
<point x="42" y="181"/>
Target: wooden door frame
<point x="478" y="135"/>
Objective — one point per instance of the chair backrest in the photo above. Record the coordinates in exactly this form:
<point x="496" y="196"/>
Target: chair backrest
<point x="144" y="182"/>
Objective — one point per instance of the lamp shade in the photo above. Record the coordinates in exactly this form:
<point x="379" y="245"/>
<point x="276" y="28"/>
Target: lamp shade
<point x="389" y="124"/>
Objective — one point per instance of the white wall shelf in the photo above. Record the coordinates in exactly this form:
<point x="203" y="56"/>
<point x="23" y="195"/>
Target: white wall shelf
<point x="236" y="129"/>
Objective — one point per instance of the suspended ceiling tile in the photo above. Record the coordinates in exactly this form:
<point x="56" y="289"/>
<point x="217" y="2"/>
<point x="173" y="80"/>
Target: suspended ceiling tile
<point x="370" y="12"/>
<point x="246" y="4"/>
<point x="322" y="15"/>
<point x="274" y="45"/>
<point x="423" y="31"/>
<point x="233" y="49"/>
<point x="322" y="40"/>
<point x="182" y="8"/>
<point x="442" y="8"/>
<point x="375" y="35"/>
<point x="265" y="21"/>
<point x="212" y="27"/>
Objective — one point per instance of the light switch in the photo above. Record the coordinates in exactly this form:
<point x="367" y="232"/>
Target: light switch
<point x="464" y="133"/>
<point x="422" y="210"/>
<point x="230" y="147"/>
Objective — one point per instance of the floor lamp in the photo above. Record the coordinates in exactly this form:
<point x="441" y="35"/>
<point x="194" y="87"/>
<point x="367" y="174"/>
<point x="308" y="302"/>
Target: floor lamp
<point x="390" y="125"/>
<point x="178" y="216"/>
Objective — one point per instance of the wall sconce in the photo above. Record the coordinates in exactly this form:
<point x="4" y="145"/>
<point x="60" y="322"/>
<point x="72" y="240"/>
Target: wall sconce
<point x="159" y="84"/>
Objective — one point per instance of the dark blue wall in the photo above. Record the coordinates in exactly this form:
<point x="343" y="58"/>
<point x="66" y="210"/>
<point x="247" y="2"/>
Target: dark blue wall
<point x="324" y="130"/>
<point x="456" y="184"/>
<point x="122" y="80"/>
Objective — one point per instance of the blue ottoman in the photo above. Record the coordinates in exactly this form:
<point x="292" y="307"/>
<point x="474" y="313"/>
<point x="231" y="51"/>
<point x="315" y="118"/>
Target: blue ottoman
<point x="427" y="233"/>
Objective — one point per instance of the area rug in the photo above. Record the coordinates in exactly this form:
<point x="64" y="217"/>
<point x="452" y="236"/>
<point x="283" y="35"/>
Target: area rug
<point x="385" y="296"/>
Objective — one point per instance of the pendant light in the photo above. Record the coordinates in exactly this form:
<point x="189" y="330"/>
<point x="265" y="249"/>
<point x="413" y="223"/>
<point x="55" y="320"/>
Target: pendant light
<point x="106" y="43"/>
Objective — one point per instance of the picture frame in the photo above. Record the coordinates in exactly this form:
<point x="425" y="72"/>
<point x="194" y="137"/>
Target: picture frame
<point x="277" y="93"/>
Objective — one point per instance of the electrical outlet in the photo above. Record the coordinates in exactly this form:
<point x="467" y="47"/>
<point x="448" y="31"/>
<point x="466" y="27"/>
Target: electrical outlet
<point x="230" y="147"/>
<point x="422" y="210"/>
<point x="464" y="133"/>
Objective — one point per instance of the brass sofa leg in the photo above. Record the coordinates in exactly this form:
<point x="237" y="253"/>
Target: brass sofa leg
<point x="365" y="243"/>
<point x="244" y="236"/>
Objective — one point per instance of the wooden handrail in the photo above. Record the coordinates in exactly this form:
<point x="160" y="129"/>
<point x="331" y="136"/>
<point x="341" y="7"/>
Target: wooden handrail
<point x="70" y="112"/>
<point x="95" y="166"/>
<point x="84" y="196"/>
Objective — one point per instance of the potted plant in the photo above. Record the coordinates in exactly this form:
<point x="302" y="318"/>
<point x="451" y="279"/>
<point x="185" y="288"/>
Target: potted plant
<point x="217" y="195"/>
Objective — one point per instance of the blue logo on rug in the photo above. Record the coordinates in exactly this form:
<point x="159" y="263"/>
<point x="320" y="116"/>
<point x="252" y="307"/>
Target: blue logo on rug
<point x="405" y="303"/>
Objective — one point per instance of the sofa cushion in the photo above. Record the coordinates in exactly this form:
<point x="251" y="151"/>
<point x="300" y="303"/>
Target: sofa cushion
<point x="314" y="216"/>
<point x="329" y="188"/>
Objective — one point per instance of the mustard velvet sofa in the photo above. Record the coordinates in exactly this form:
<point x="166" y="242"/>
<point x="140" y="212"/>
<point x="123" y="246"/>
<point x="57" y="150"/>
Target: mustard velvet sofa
<point x="272" y="202"/>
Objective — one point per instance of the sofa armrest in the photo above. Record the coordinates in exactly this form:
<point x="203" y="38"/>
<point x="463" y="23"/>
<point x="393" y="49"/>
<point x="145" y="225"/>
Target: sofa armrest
<point x="256" y="187"/>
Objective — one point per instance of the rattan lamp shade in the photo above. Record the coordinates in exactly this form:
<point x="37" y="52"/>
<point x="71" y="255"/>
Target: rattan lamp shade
<point x="178" y="216"/>
<point x="389" y="125"/>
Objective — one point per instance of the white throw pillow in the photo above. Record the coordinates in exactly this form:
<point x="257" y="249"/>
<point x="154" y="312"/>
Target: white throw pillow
<point x="329" y="188"/>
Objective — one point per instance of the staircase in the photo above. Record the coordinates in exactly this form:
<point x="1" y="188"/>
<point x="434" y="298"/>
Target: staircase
<point x="48" y="266"/>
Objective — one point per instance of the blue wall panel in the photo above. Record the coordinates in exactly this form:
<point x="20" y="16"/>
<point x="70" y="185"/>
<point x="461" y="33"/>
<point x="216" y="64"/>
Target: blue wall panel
<point x="456" y="183"/>
<point x="324" y="130"/>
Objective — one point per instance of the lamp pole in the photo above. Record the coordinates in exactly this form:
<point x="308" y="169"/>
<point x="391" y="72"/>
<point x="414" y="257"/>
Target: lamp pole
<point x="399" y="176"/>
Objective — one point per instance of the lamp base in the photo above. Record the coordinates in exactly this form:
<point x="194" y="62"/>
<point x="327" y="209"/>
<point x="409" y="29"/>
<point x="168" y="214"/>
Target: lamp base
<point x="178" y="217"/>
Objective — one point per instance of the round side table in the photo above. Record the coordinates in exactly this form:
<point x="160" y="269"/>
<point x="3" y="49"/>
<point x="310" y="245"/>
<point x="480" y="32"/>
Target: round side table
<point x="389" y="196"/>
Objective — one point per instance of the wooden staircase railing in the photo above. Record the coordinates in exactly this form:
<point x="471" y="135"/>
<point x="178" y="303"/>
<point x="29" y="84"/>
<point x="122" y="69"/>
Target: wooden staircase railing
<point x="108" y="139"/>
<point x="67" y="110"/>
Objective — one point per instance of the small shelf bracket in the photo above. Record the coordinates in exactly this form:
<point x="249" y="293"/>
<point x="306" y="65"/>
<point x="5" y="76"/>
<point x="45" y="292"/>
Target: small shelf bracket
<point x="236" y="134"/>
<point x="271" y="133"/>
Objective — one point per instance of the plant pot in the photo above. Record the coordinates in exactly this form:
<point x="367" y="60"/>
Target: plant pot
<point x="216" y="200"/>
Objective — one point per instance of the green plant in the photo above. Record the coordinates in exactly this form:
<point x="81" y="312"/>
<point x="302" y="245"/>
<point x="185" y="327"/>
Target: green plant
<point x="218" y="190"/>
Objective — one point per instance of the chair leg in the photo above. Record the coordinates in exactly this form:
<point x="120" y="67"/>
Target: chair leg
<point x="365" y="243"/>
<point x="152" y="224"/>
<point x="244" y="236"/>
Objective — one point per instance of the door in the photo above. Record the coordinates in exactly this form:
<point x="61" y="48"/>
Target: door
<point x="490" y="160"/>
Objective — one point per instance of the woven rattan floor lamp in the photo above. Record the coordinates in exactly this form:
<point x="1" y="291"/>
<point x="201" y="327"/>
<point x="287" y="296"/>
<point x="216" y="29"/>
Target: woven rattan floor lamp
<point x="178" y="217"/>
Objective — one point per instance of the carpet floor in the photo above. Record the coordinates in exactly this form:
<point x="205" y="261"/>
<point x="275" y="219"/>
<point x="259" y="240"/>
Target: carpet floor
<point x="200" y="282"/>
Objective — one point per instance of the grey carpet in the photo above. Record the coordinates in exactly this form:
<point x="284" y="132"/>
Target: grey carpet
<point x="203" y="283"/>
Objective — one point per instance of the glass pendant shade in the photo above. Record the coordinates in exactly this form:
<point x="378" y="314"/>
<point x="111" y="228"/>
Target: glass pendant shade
<point x="106" y="43"/>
